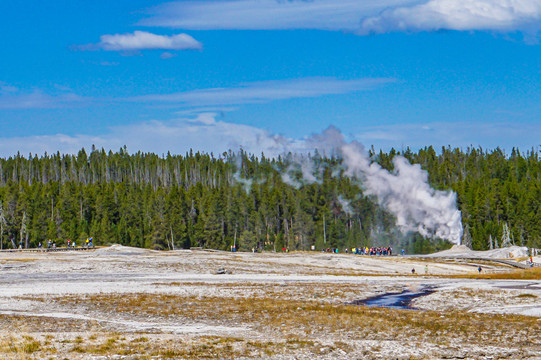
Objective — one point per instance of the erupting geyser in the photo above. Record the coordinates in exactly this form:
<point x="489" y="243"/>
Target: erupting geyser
<point x="406" y="194"/>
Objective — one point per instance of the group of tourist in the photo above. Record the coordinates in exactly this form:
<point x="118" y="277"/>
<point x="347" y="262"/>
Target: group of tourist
<point x="70" y="244"/>
<point x="373" y="251"/>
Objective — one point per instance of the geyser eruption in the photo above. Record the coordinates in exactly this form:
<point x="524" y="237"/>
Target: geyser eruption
<point x="405" y="192"/>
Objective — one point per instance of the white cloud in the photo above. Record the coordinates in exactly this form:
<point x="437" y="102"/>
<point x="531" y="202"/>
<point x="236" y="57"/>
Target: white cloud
<point x="194" y="111"/>
<point x="362" y="17"/>
<point x="457" y="134"/>
<point x="267" y="14"/>
<point x="167" y="55"/>
<point x="142" y="40"/>
<point x="208" y="133"/>
<point x="37" y="99"/>
<point x="499" y="15"/>
<point x="203" y="133"/>
<point x="266" y="91"/>
<point x="6" y="88"/>
<point x="202" y="100"/>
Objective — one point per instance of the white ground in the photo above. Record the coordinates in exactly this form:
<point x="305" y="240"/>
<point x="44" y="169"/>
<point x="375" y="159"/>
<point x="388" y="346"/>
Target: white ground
<point x="27" y="280"/>
<point x="120" y="269"/>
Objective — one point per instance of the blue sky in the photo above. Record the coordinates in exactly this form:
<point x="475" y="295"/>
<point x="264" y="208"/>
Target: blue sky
<point x="267" y="74"/>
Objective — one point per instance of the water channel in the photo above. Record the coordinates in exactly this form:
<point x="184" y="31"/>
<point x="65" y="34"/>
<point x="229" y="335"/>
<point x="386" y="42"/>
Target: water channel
<point x="394" y="300"/>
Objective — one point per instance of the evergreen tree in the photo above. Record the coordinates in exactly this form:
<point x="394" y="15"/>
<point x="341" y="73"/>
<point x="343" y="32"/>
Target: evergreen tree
<point x="200" y="200"/>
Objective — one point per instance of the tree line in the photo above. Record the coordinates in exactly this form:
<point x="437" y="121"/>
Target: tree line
<point x="243" y="200"/>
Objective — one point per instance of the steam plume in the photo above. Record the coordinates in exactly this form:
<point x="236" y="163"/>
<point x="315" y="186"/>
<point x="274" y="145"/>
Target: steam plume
<point x="405" y="192"/>
<point x="305" y="167"/>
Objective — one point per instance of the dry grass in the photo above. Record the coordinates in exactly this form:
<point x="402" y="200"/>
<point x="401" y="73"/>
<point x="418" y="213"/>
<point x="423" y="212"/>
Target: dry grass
<point x="500" y="274"/>
<point x="527" y="296"/>
<point x="318" y="320"/>
<point x="526" y="274"/>
<point x="327" y="292"/>
<point x="30" y="324"/>
<point x="277" y="324"/>
<point x="522" y="274"/>
<point x="262" y="320"/>
<point x="19" y="260"/>
<point x="24" y="347"/>
<point x="154" y="346"/>
<point x="203" y="347"/>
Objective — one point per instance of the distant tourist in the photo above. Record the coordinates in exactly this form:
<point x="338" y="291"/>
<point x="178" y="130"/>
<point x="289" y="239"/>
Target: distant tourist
<point x="413" y="271"/>
<point x="426" y="269"/>
<point x="479" y="269"/>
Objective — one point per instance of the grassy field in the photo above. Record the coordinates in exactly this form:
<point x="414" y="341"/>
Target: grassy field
<point x="127" y="304"/>
<point x="277" y="327"/>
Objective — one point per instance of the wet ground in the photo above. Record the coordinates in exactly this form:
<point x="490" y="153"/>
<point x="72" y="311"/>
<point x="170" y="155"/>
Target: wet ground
<point x="394" y="300"/>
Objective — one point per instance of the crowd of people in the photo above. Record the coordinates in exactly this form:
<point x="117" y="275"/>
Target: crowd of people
<point x="70" y="244"/>
<point x="373" y="251"/>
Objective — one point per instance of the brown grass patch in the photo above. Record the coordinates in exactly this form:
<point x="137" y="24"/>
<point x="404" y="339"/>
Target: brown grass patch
<point x="284" y="326"/>
<point x="522" y="274"/>
<point x="527" y="296"/>
<point x="19" y="260"/>
<point x="20" y="323"/>
<point x="296" y="319"/>
<point x="204" y="347"/>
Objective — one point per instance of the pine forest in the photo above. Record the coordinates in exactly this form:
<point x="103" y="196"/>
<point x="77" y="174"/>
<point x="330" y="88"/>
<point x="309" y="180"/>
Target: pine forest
<point x="242" y="200"/>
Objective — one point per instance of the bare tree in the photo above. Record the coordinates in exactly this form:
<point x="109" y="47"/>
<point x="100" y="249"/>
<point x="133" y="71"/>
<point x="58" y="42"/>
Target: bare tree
<point x="506" y="238"/>
<point x="24" y="231"/>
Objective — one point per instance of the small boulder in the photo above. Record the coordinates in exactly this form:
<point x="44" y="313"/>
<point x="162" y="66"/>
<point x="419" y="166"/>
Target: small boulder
<point x="222" y="271"/>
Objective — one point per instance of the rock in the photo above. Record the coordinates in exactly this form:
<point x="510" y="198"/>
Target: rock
<point x="222" y="271"/>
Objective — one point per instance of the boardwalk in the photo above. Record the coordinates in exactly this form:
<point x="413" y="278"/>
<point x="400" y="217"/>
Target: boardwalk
<point x="46" y="249"/>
